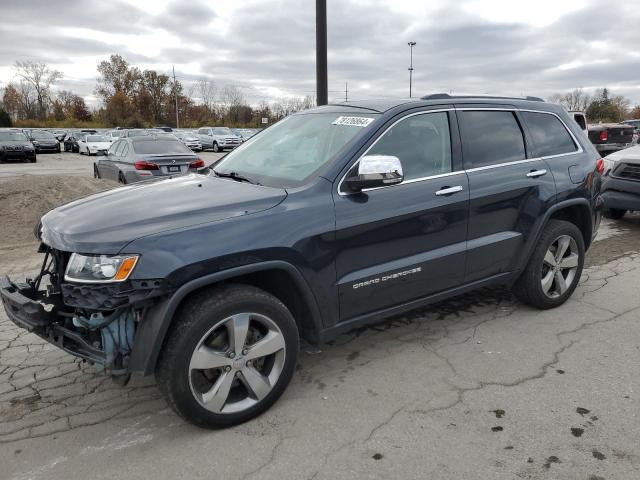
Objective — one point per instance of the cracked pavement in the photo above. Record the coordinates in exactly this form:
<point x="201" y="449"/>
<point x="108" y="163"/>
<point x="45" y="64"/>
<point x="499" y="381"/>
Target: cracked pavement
<point x="479" y="386"/>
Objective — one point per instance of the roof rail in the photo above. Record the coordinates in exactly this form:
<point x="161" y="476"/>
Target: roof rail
<point x="442" y="96"/>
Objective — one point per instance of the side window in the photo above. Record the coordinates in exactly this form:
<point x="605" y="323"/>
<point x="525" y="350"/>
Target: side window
<point x="113" y="148"/>
<point x="201" y="131"/>
<point x="421" y="142"/>
<point x="120" y="148"/>
<point x="491" y="137"/>
<point x="550" y="136"/>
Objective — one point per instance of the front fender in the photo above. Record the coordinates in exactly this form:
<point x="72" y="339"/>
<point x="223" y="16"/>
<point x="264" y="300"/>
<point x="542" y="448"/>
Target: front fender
<point x="152" y="330"/>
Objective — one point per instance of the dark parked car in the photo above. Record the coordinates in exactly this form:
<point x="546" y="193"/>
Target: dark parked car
<point x="134" y="159"/>
<point x="71" y="142"/>
<point x="611" y="137"/>
<point x="44" y="141"/>
<point x="332" y="219"/>
<point x="15" y="146"/>
<point x="621" y="182"/>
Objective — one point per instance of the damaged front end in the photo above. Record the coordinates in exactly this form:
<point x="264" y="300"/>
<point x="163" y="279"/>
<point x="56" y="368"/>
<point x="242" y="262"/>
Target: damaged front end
<point x="95" y="321"/>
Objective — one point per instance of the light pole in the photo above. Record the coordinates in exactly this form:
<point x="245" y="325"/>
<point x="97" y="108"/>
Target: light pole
<point x="322" y="87"/>
<point x="411" y="45"/>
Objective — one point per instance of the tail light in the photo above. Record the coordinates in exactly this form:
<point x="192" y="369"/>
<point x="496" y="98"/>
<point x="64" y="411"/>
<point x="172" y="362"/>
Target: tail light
<point x="144" y="165"/>
<point x="199" y="163"/>
<point x="604" y="135"/>
<point x="600" y="166"/>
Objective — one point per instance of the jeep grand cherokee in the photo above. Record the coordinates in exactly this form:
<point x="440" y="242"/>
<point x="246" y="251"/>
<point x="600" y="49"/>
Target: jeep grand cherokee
<point x="331" y="219"/>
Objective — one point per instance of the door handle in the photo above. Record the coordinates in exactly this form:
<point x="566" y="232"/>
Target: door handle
<point x="536" y="173"/>
<point x="449" y="190"/>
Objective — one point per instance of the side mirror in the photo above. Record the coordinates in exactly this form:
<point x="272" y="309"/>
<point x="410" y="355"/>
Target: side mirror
<point x="375" y="171"/>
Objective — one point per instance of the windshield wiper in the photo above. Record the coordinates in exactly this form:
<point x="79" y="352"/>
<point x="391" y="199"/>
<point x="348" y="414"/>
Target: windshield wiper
<point x="235" y="176"/>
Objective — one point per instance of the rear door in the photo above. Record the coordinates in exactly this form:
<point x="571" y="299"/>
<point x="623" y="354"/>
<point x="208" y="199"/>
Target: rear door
<point x="105" y="164"/>
<point x="407" y="241"/>
<point x="509" y="189"/>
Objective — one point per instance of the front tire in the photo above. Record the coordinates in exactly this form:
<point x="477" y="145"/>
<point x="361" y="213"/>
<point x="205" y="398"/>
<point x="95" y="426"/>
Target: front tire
<point x="215" y="147"/>
<point x="96" y="172"/>
<point x="614" y="213"/>
<point x="554" y="269"/>
<point x="229" y="355"/>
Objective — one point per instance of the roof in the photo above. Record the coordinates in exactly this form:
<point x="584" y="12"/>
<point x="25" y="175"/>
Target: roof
<point x="383" y="105"/>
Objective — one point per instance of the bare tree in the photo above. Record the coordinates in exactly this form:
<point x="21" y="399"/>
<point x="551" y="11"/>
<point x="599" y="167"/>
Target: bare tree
<point x="206" y="91"/>
<point x="41" y="78"/>
<point x="575" y="100"/>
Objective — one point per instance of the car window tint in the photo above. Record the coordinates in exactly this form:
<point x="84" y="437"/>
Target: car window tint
<point x="549" y="135"/>
<point x="421" y="142"/>
<point x="491" y="137"/>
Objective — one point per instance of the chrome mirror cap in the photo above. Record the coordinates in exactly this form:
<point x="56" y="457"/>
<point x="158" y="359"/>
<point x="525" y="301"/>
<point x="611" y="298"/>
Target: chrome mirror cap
<point x="376" y="171"/>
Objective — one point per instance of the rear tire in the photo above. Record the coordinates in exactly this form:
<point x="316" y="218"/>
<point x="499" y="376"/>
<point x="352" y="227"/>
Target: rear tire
<point x="206" y="330"/>
<point x="122" y="179"/>
<point x="614" y="213"/>
<point x="554" y="269"/>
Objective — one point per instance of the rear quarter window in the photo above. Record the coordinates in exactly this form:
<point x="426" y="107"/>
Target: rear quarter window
<point x="549" y="135"/>
<point x="491" y="137"/>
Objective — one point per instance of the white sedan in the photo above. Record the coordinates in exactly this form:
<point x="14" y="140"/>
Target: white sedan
<point x="93" y="144"/>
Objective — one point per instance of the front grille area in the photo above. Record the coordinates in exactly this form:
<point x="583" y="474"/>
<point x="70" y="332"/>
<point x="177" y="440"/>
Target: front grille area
<point x="629" y="171"/>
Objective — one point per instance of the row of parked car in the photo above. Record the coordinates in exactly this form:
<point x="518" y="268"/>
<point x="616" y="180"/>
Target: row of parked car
<point x="24" y="144"/>
<point x="213" y="138"/>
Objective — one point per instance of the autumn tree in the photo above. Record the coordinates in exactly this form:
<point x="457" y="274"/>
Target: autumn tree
<point x="607" y="108"/>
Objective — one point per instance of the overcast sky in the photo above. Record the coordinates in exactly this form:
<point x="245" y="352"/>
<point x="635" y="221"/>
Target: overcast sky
<point x="267" y="47"/>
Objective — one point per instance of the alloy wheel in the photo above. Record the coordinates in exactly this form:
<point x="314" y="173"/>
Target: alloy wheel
<point x="237" y="363"/>
<point x="559" y="266"/>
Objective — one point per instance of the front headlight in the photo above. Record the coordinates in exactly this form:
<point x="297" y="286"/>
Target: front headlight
<point x="608" y="165"/>
<point x="100" y="268"/>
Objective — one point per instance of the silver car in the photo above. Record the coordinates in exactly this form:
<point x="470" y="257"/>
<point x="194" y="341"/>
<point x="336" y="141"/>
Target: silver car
<point x="218" y="139"/>
<point x="191" y="140"/>
<point x="134" y="159"/>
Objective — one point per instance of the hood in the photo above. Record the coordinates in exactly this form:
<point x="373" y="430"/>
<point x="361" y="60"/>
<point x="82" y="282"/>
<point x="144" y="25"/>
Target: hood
<point x="16" y="143"/>
<point x="106" y="222"/>
<point x="628" y="155"/>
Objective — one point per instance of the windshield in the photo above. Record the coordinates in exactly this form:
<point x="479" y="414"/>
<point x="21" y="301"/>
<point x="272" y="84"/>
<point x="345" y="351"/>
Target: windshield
<point x="96" y="138"/>
<point x="12" y="136"/>
<point x="43" y="135"/>
<point x="161" y="147"/>
<point x="222" y="131"/>
<point x="294" y="149"/>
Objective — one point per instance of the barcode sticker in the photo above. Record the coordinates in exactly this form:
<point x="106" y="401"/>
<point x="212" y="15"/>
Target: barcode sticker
<point x="353" y="121"/>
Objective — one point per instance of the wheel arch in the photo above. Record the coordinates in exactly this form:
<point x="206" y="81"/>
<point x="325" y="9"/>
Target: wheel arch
<point x="576" y="211"/>
<point x="279" y="278"/>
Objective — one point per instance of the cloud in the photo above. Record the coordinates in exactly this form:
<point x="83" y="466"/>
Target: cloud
<point x="267" y="47"/>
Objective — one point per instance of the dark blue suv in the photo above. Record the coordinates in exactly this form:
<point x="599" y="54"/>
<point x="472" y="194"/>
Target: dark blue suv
<point x="331" y="219"/>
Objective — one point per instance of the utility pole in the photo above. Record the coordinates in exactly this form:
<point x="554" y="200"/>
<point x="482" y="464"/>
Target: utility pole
<point x="346" y="92"/>
<point x="175" y="91"/>
<point x="322" y="88"/>
<point x="411" y="45"/>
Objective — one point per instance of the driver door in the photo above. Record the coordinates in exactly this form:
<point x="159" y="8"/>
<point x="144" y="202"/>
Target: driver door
<point x="403" y="242"/>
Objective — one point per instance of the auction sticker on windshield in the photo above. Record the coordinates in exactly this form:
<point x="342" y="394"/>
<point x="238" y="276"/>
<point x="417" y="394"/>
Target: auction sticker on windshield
<point x="353" y="121"/>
